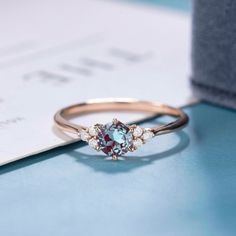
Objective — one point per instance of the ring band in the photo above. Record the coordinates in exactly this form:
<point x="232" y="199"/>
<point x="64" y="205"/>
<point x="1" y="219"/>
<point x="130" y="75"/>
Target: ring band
<point x="116" y="138"/>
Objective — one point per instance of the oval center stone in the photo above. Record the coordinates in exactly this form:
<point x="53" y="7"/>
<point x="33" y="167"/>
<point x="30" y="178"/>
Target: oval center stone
<point x="114" y="138"/>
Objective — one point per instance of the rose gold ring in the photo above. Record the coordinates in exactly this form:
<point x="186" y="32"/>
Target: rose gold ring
<point x="116" y="138"/>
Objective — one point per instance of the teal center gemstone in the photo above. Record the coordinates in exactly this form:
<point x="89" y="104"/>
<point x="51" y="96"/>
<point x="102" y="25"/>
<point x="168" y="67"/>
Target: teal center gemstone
<point x="115" y="138"/>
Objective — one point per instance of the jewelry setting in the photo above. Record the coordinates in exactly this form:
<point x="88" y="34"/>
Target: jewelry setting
<point x="115" y="138"/>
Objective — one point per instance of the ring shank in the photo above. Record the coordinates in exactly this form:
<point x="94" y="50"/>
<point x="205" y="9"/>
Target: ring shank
<point x="63" y="116"/>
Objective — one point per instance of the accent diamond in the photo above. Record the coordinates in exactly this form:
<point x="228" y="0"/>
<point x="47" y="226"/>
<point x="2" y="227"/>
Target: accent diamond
<point x="115" y="138"/>
<point x="137" y="143"/>
<point x="93" y="143"/>
<point x="138" y="131"/>
<point x="147" y="135"/>
<point x="84" y="135"/>
<point x="93" y="131"/>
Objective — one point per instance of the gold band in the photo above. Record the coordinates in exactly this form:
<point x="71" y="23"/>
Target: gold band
<point x="115" y="139"/>
<point x="63" y="116"/>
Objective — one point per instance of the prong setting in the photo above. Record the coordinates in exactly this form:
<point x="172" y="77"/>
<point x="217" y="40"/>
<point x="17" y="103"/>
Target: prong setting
<point x="115" y="139"/>
<point x="137" y="143"/>
<point x="114" y="121"/>
<point x="114" y="157"/>
<point x="84" y="135"/>
<point x="137" y="131"/>
<point x="147" y="135"/>
<point x="140" y="135"/>
<point x="93" y="130"/>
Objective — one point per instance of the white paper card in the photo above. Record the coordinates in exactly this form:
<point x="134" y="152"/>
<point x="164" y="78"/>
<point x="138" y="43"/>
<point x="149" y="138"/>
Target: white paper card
<point x="57" y="53"/>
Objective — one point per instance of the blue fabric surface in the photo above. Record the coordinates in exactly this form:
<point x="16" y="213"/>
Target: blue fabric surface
<point x="179" y="184"/>
<point x="183" y="5"/>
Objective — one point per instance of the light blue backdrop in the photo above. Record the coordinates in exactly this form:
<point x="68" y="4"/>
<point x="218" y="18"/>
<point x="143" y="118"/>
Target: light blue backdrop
<point x="179" y="184"/>
<point x="184" y="5"/>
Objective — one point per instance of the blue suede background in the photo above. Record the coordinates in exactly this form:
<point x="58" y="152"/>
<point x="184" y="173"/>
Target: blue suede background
<point x="178" y="184"/>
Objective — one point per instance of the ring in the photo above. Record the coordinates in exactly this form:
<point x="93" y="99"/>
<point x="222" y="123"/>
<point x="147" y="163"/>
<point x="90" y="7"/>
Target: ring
<point x="116" y="138"/>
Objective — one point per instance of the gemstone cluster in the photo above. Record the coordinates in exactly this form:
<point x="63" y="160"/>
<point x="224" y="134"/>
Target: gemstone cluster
<point x="115" y="138"/>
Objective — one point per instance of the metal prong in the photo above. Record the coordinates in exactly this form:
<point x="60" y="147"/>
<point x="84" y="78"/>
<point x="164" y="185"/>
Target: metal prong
<point x="114" y="121"/>
<point x="98" y="126"/>
<point x="132" y="127"/>
<point x="114" y="157"/>
<point x="132" y="149"/>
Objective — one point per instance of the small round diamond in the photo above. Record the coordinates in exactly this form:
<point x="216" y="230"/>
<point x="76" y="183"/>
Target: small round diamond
<point x="93" y="131"/>
<point x="138" y="131"/>
<point x="137" y="143"/>
<point x="93" y="143"/>
<point x="147" y="135"/>
<point x="84" y="135"/>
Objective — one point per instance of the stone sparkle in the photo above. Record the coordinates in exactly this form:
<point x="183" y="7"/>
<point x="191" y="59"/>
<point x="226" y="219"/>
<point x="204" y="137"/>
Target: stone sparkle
<point x="115" y="138"/>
